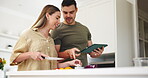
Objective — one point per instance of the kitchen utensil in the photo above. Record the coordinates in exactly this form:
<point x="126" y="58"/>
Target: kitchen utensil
<point x="52" y="58"/>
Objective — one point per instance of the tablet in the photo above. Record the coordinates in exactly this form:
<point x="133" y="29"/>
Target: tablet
<point x="92" y="47"/>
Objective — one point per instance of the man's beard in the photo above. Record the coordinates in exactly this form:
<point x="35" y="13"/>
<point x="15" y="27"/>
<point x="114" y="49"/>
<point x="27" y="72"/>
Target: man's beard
<point x="69" y="20"/>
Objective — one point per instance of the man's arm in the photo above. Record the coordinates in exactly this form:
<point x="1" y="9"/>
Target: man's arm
<point x="61" y="54"/>
<point x="69" y="53"/>
<point x="95" y="53"/>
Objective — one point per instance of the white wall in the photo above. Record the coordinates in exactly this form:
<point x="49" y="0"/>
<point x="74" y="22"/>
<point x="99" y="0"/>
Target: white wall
<point x="125" y="43"/>
<point x="99" y="18"/>
<point x="14" y="22"/>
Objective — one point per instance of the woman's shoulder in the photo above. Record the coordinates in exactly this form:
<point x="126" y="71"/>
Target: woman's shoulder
<point x="26" y="33"/>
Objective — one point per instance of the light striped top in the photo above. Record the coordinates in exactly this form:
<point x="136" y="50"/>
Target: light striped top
<point x="34" y="41"/>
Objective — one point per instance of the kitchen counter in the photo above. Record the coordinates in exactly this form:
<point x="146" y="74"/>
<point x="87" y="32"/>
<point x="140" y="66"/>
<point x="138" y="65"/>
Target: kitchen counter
<point x="128" y="72"/>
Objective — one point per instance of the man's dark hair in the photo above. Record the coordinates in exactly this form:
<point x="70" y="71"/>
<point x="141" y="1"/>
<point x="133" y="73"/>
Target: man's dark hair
<point x="68" y="3"/>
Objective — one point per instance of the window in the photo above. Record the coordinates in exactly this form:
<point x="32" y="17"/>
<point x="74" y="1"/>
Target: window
<point x="143" y="28"/>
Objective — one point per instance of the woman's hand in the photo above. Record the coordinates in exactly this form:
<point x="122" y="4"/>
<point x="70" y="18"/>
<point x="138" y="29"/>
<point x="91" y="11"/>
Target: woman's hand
<point x="97" y="52"/>
<point x="72" y="53"/>
<point x="37" y="55"/>
<point x="75" y="62"/>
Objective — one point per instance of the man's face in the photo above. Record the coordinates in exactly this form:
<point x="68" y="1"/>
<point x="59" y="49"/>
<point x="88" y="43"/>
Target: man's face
<point x="69" y="14"/>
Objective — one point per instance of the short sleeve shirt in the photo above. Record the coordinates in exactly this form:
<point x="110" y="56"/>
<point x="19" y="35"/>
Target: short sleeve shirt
<point x="70" y="36"/>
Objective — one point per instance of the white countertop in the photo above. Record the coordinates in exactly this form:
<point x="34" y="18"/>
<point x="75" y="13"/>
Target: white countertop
<point x="98" y="71"/>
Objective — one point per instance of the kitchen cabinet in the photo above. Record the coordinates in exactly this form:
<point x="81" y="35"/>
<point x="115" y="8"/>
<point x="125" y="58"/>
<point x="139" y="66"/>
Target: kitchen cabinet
<point x="8" y="36"/>
<point x="5" y="49"/>
<point x="7" y="42"/>
<point x="1" y="74"/>
<point x="125" y="72"/>
<point x="111" y="22"/>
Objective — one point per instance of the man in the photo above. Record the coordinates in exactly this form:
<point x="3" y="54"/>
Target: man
<point x="71" y="36"/>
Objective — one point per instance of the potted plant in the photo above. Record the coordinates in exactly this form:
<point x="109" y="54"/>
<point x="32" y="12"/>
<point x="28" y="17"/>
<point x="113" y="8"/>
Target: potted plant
<point x="2" y="62"/>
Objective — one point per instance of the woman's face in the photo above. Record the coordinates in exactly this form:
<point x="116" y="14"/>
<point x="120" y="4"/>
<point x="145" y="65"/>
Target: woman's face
<point x="54" y="20"/>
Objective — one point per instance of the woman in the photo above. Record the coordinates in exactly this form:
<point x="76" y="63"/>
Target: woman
<point x="37" y="42"/>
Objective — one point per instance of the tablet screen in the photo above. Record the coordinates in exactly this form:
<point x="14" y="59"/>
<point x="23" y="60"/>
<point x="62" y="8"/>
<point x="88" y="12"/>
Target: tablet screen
<point x="92" y="47"/>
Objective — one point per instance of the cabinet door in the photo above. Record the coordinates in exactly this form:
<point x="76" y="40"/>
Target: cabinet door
<point x="99" y="18"/>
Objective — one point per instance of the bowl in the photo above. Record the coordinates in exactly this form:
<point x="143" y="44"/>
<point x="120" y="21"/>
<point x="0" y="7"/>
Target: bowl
<point x="140" y="62"/>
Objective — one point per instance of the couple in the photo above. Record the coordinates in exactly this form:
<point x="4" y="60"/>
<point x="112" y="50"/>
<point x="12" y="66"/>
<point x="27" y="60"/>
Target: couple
<point x="69" y="37"/>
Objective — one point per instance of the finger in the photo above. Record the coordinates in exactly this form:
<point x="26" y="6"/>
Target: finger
<point x="44" y="55"/>
<point x="99" y="50"/>
<point x="76" y="50"/>
<point x="40" y="58"/>
<point x="98" y="54"/>
<point x="77" y="54"/>
<point x="37" y="59"/>
<point x="102" y="48"/>
<point x="78" y="62"/>
<point x="96" y="50"/>
<point x="73" y="55"/>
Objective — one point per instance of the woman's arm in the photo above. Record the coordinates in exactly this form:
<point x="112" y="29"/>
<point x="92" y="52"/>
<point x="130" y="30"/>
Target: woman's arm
<point x="69" y="63"/>
<point x="27" y="55"/>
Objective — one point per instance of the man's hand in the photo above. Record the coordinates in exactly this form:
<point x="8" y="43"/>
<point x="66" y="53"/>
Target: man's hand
<point x="97" y="52"/>
<point x="72" y="53"/>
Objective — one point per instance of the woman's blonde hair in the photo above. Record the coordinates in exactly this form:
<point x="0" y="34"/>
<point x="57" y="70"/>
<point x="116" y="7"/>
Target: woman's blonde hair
<point x="41" y="21"/>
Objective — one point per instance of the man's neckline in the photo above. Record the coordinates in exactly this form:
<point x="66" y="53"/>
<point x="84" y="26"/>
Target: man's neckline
<point x="70" y="25"/>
